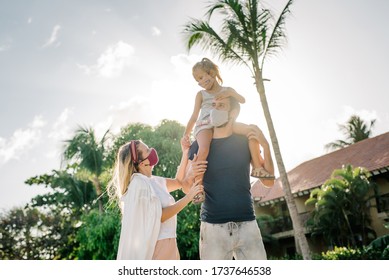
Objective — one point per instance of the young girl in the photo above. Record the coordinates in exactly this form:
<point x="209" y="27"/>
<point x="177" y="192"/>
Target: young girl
<point x="207" y="75"/>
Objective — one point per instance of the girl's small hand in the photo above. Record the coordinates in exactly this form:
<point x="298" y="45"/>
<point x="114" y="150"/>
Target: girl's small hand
<point x="185" y="143"/>
<point x="222" y="95"/>
<point x="258" y="136"/>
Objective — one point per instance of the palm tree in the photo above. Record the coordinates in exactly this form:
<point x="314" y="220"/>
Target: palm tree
<point x="89" y="153"/>
<point x="248" y="35"/>
<point x="342" y="207"/>
<point x="355" y="130"/>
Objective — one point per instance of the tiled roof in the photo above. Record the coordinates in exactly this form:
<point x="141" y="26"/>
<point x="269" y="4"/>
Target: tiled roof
<point x="372" y="154"/>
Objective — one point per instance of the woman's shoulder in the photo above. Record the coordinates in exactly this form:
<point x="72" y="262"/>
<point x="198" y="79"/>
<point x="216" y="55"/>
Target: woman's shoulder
<point x="138" y="176"/>
<point x="139" y="179"/>
<point x="158" y="178"/>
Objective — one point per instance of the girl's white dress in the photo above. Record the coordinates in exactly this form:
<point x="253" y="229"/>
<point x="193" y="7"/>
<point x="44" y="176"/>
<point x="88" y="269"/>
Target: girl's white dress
<point x="203" y="122"/>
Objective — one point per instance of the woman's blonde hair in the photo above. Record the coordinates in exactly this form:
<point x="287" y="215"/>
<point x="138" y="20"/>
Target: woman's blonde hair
<point x="125" y="166"/>
<point x="209" y="67"/>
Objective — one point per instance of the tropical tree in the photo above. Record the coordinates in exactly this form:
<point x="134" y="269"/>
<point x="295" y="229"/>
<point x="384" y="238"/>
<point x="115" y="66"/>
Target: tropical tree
<point x="354" y="130"/>
<point x="127" y="133"/>
<point x="98" y="236"/>
<point x="249" y="34"/>
<point x="342" y="208"/>
<point x="33" y="233"/>
<point x="89" y="153"/>
<point x="67" y="192"/>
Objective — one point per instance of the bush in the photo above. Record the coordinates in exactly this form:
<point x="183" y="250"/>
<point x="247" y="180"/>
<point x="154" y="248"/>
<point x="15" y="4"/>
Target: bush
<point x="342" y="253"/>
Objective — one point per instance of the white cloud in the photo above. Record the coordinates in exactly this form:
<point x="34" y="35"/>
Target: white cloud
<point x="183" y="64"/>
<point x="53" y="38"/>
<point x="365" y="115"/>
<point x="112" y="61"/>
<point x="61" y="129"/>
<point x="131" y="111"/>
<point x="21" y="140"/>
<point x="29" y="20"/>
<point x="155" y="31"/>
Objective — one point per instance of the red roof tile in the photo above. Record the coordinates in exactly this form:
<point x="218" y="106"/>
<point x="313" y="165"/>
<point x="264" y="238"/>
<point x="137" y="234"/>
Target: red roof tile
<point x="372" y="154"/>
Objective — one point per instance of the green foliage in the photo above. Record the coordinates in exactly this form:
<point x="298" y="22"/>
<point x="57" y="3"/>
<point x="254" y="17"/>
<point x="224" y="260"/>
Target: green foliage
<point x="188" y="232"/>
<point x="98" y="236"/>
<point x="135" y="131"/>
<point x="343" y="253"/>
<point x="36" y="234"/>
<point x="266" y="224"/>
<point x="288" y="257"/>
<point x="89" y="153"/>
<point x="363" y="253"/>
<point x="342" y="208"/>
<point x="68" y="191"/>
<point x="379" y="251"/>
<point x="86" y="150"/>
<point x="379" y="248"/>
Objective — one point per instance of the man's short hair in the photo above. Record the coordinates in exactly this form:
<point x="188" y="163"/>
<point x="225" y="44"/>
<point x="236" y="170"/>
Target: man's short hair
<point x="234" y="104"/>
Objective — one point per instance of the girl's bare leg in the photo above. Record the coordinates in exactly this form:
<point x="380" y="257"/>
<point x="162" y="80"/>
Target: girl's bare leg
<point x="204" y="138"/>
<point x="257" y="162"/>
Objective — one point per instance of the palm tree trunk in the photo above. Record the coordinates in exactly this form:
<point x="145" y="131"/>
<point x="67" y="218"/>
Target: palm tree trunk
<point x="99" y="192"/>
<point x="353" y="242"/>
<point x="300" y="237"/>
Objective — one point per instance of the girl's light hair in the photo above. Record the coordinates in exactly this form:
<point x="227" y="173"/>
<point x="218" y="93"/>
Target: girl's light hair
<point x="123" y="171"/>
<point x="209" y="67"/>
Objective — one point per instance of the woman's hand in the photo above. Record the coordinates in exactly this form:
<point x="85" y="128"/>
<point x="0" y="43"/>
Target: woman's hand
<point x="195" y="189"/>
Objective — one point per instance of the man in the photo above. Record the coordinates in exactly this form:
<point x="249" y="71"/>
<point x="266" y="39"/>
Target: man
<point x="228" y="226"/>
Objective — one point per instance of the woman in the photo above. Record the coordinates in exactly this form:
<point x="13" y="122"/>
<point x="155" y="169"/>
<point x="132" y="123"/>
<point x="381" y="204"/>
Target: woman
<point x="148" y="229"/>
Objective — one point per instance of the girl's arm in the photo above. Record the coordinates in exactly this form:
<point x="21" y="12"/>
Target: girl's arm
<point x="195" y="114"/>
<point x="174" y="209"/>
<point x="227" y="92"/>
<point x="186" y="173"/>
<point x="178" y="181"/>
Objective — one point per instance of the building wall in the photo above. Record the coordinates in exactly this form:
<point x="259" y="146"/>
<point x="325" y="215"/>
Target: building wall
<point x="381" y="216"/>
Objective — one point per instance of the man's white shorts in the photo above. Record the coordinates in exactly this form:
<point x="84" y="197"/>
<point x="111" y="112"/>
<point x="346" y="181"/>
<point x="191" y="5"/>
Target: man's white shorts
<point x="238" y="240"/>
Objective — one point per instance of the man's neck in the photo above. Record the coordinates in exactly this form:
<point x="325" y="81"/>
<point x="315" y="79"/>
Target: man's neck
<point x="222" y="132"/>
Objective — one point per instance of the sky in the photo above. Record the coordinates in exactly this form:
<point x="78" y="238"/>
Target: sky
<point x="105" y="64"/>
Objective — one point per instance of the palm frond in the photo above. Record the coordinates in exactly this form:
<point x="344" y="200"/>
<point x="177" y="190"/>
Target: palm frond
<point x="85" y="149"/>
<point x="199" y="32"/>
<point x="278" y="36"/>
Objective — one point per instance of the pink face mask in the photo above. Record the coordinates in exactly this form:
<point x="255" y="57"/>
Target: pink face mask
<point x="153" y="157"/>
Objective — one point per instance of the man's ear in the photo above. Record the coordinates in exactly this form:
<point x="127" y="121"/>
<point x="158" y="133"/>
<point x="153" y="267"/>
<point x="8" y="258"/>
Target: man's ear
<point x="234" y="114"/>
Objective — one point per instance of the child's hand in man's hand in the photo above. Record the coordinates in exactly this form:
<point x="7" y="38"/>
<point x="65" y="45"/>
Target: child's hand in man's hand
<point x="185" y="143"/>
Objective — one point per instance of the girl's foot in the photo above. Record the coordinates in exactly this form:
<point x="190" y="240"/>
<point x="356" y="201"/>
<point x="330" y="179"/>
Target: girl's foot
<point x="261" y="173"/>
